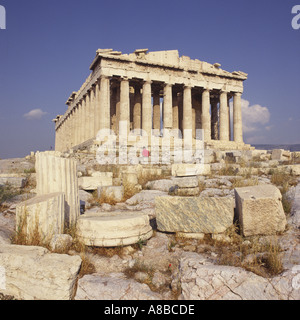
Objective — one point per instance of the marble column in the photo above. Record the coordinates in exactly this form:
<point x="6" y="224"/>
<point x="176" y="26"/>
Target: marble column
<point x="81" y="116"/>
<point x="124" y="106"/>
<point x="214" y="120"/>
<point x="175" y="117"/>
<point x="56" y="174"/>
<point x="229" y="122"/>
<point x="86" y="112"/>
<point x="224" y="130"/>
<point x="137" y="108"/>
<point x="167" y="110"/>
<point x="92" y="113"/>
<point x="156" y="109"/>
<point x="237" y="118"/>
<point x="187" y="109"/>
<point x="104" y="103"/>
<point x="206" y="122"/>
<point x="97" y="107"/>
<point x="147" y="108"/>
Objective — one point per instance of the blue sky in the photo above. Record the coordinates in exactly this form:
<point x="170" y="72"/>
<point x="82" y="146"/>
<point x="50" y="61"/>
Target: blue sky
<point x="48" y="45"/>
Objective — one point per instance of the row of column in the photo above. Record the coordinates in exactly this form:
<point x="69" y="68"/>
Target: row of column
<point x="94" y="112"/>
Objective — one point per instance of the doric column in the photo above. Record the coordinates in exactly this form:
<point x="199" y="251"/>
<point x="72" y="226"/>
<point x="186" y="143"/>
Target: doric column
<point x="229" y="122"/>
<point x="156" y="109"/>
<point x="124" y="104"/>
<point x="175" y="111"/>
<point x="237" y="118"/>
<point x="81" y="123"/>
<point x="56" y="174"/>
<point x="187" y="112"/>
<point x="137" y="108"/>
<point x="206" y="122"/>
<point x="224" y="129"/>
<point x="104" y="103"/>
<point x="86" y="112"/>
<point x="167" y="111"/>
<point x="147" y="108"/>
<point x="72" y="128"/>
<point x="92" y="113"/>
<point x="214" y="120"/>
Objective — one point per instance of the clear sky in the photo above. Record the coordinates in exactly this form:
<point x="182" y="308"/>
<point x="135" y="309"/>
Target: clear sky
<point x="48" y="45"/>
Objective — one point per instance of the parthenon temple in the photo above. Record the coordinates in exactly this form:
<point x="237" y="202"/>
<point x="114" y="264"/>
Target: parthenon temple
<point x="153" y="91"/>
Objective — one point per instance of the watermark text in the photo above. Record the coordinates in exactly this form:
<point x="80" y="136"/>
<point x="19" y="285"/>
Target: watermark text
<point x="2" y="17"/>
<point x="296" y="18"/>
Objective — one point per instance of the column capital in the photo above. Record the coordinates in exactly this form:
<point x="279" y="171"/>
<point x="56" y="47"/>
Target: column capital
<point x="124" y="79"/>
<point x="187" y="86"/>
<point x="237" y="94"/>
<point x="147" y="82"/>
<point x="103" y="76"/>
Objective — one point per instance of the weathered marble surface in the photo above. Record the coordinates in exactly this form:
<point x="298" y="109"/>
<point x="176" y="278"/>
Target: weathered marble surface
<point x="260" y="210"/>
<point x="110" y="229"/>
<point x="194" y="214"/>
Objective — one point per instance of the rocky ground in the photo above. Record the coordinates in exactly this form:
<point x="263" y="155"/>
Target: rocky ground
<point x="168" y="266"/>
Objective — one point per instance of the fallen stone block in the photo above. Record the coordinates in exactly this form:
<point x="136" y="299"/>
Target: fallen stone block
<point x="185" y="182"/>
<point x="43" y="214"/>
<point x="194" y="214"/>
<point x="187" y="192"/>
<point x="114" y="193"/>
<point x="293" y="169"/>
<point x="188" y="169"/>
<point x="161" y="185"/>
<point x="281" y="154"/>
<point x="111" y="229"/>
<point x="144" y="196"/>
<point x="260" y="210"/>
<point x="92" y="183"/>
<point x="61" y="242"/>
<point x="33" y="273"/>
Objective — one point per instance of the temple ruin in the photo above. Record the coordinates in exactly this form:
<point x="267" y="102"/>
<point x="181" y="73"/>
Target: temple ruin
<point x="150" y="92"/>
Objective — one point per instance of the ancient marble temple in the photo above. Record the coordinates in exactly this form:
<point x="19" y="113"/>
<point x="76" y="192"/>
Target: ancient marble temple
<point x="153" y="91"/>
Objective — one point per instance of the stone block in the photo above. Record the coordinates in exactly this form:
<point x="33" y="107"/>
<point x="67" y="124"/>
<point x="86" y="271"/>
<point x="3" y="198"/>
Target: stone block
<point x="187" y="192"/>
<point x="61" y="242"/>
<point x="188" y="169"/>
<point x="110" y="229"/>
<point x="194" y="214"/>
<point x="33" y="273"/>
<point x="185" y="182"/>
<point x="92" y="183"/>
<point x="45" y="214"/>
<point x="260" y="210"/>
<point x="114" y="193"/>
<point x="293" y="169"/>
<point x="281" y="154"/>
<point x="161" y="185"/>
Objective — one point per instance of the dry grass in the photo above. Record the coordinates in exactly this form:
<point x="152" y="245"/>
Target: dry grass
<point x="7" y="192"/>
<point x="228" y="170"/>
<point x="238" y="183"/>
<point x="263" y="259"/>
<point x="21" y="237"/>
<point x="284" y="181"/>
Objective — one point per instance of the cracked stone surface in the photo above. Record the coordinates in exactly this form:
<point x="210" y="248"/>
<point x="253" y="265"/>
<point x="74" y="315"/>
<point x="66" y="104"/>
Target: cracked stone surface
<point x="113" y="287"/>
<point x="202" y="280"/>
